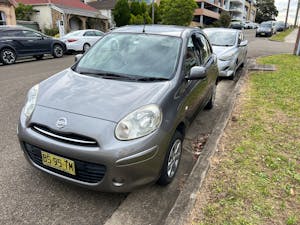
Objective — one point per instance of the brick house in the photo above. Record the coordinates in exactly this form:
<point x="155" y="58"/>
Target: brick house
<point x="7" y="12"/>
<point x="75" y="14"/>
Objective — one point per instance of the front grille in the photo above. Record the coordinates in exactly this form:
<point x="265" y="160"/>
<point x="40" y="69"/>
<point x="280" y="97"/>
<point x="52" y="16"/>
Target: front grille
<point x="70" y="138"/>
<point x="85" y="171"/>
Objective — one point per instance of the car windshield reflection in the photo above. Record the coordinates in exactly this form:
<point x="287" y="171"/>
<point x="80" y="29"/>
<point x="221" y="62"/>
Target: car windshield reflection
<point x="222" y="38"/>
<point x="143" y="55"/>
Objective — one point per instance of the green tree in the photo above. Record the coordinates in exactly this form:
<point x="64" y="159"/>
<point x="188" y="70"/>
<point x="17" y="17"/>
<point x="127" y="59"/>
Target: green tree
<point x="139" y="13"/>
<point x="139" y="19"/>
<point x="24" y="12"/>
<point x="266" y="10"/>
<point x="135" y="8"/>
<point x="223" y="21"/>
<point x="121" y="13"/>
<point x="177" y="12"/>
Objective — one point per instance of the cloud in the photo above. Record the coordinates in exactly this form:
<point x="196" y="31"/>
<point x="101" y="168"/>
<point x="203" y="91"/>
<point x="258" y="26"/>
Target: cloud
<point x="282" y="7"/>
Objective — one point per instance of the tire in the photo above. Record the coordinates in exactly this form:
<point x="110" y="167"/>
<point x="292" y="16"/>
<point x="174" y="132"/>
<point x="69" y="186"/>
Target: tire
<point x="38" y="57"/>
<point x="8" y="56"/>
<point x="211" y="101"/>
<point x="172" y="160"/>
<point x="58" y="51"/>
<point x="86" y="47"/>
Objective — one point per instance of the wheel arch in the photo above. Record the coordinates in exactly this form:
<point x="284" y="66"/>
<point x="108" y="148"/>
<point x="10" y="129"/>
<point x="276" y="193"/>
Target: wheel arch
<point x="181" y="128"/>
<point x="10" y="47"/>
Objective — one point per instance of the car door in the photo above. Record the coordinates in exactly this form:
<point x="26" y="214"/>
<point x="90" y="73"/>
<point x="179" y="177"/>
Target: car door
<point x="241" y="49"/>
<point x="208" y="60"/>
<point x="193" y="90"/>
<point x="90" y="37"/>
<point x="35" y="43"/>
<point x="13" y="38"/>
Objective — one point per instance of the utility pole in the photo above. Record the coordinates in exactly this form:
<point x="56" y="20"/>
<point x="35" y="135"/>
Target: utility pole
<point x="287" y="14"/>
<point x="296" y="19"/>
<point x="152" y="11"/>
<point x="297" y="44"/>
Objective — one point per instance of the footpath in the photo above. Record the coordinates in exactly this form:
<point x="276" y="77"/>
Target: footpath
<point x="291" y="38"/>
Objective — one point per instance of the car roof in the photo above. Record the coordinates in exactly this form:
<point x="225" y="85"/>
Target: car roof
<point x="169" y="30"/>
<point x="13" y="27"/>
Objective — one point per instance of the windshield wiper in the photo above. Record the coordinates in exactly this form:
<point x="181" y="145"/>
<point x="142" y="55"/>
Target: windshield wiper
<point x="106" y="75"/>
<point x="151" y="78"/>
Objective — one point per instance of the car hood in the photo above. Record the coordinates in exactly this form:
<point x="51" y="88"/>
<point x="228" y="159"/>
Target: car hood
<point x="222" y="50"/>
<point x="96" y="97"/>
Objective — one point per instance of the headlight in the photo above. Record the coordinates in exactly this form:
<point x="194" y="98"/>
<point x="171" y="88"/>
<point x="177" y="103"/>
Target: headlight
<point x="31" y="100"/>
<point x="139" y="123"/>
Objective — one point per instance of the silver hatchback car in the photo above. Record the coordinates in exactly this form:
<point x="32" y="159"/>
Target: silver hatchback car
<point x="231" y="49"/>
<point x="116" y="119"/>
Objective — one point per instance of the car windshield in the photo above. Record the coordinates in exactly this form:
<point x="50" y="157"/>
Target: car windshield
<point x="221" y="37"/>
<point x="266" y="25"/>
<point x="133" y="56"/>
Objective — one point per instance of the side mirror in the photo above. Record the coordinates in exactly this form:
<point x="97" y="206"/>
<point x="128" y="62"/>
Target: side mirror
<point x="78" y="56"/>
<point x="243" y="43"/>
<point x="197" y="73"/>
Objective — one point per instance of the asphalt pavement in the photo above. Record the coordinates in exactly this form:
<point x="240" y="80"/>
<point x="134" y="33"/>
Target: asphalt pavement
<point x="29" y="196"/>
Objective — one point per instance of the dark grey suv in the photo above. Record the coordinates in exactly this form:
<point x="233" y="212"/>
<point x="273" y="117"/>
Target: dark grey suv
<point x="116" y="119"/>
<point x="18" y="41"/>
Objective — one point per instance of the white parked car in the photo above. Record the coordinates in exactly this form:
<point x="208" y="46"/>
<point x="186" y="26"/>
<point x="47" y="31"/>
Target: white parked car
<point x="81" y="40"/>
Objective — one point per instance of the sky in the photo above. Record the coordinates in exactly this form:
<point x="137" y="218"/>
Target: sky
<point x="282" y="7"/>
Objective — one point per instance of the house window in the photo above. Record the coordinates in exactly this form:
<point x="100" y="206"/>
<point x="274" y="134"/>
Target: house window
<point x="2" y="18"/>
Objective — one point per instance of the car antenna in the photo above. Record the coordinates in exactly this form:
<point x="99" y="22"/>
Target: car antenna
<point x="144" y="25"/>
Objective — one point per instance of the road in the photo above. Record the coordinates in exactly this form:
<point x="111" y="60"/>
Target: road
<point x="29" y="196"/>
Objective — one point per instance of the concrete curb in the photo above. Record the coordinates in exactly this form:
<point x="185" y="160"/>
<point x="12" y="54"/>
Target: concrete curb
<point x="185" y="202"/>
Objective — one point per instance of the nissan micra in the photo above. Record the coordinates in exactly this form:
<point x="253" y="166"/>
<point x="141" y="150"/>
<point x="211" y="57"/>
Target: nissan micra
<point x="116" y="119"/>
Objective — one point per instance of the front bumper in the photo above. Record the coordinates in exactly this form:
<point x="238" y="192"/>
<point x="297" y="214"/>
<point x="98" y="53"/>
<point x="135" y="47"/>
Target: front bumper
<point x="127" y="165"/>
<point x="226" y="68"/>
<point x="263" y="33"/>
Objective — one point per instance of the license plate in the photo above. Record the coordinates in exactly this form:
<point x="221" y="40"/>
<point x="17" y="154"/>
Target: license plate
<point x="59" y="163"/>
<point x="262" y="33"/>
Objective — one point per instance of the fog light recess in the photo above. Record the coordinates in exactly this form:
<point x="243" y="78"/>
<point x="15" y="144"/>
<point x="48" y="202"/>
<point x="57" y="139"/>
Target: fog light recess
<point x="118" y="181"/>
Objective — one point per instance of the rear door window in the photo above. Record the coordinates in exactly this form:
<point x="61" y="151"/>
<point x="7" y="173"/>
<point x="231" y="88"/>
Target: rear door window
<point x="11" y="33"/>
<point x="89" y="34"/>
<point x="30" y="34"/>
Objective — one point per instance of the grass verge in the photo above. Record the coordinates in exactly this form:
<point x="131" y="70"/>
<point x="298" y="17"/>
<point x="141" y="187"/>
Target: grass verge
<point x="255" y="175"/>
<point x="280" y="36"/>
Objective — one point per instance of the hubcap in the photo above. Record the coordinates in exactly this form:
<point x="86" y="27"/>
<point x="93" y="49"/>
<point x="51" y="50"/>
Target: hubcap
<point x="8" y="57"/>
<point x="174" y="157"/>
<point x="58" y="51"/>
<point x="86" y="47"/>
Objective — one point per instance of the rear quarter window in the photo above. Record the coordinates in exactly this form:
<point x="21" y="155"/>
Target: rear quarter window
<point x="10" y="33"/>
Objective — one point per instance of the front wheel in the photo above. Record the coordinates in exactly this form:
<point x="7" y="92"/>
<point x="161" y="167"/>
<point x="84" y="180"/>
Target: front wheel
<point x="86" y="47"/>
<point x="172" y="160"/>
<point x="8" y="56"/>
<point x="58" y="51"/>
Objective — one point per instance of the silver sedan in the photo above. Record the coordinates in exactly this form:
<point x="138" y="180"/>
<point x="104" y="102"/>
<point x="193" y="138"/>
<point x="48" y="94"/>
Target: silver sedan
<point x="230" y="47"/>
